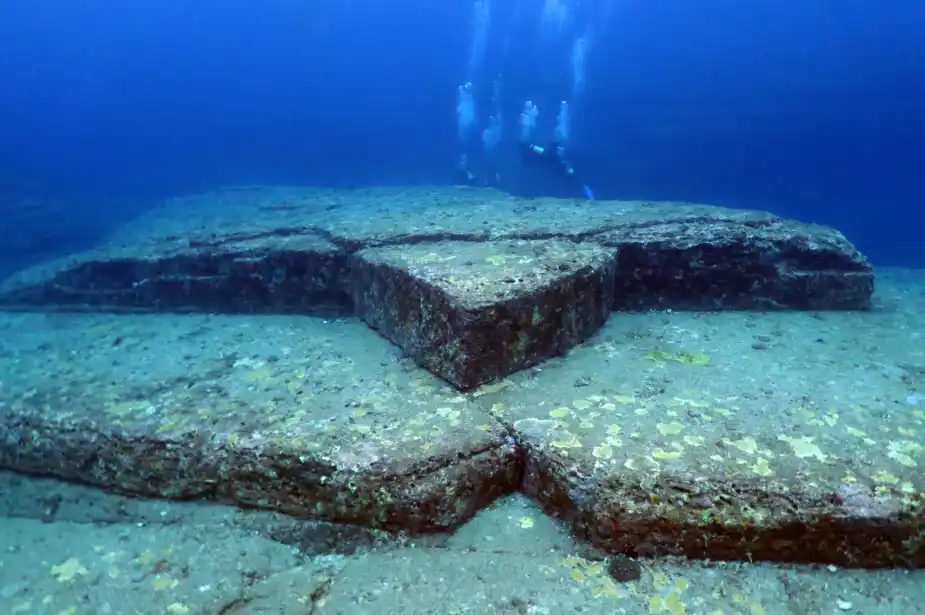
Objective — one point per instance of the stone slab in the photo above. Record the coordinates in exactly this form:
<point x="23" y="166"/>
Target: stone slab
<point x="712" y="258"/>
<point x="200" y="407"/>
<point x="472" y="312"/>
<point x="728" y="435"/>
<point x="222" y="251"/>
<point x="280" y="274"/>
<point x="670" y="436"/>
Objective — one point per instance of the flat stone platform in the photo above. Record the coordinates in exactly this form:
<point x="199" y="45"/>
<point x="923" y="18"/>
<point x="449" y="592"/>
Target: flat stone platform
<point x="794" y="436"/>
<point x="433" y="268"/>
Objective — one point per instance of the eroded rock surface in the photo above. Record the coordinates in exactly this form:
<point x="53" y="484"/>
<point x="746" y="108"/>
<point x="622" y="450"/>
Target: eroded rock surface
<point x="472" y="312"/>
<point x="273" y="251"/>
<point x="669" y="434"/>
<point x="661" y="435"/>
<point x="276" y="273"/>
<point x="682" y="438"/>
<point x="238" y="418"/>
<point x="250" y="251"/>
<point x="708" y="258"/>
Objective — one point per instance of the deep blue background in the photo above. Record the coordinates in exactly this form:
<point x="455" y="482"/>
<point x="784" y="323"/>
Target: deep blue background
<point x="812" y="109"/>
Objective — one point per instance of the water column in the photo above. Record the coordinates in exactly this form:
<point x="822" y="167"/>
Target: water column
<point x="554" y="18"/>
<point x="465" y="100"/>
<point x="566" y="117"/>
<point x="579" y="54"/>
<point x="563" y="131"/>
<point x="491" y="135"/>
<point x="481" y="20"/>
<point x="465" y="123"/>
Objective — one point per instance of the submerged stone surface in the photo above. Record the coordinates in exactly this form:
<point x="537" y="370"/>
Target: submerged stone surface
<point x="686" y="438"/>
<point x="472" y="312"/>
<point x="710" y="258"/>
<point x="664" y="435"/>
<point x="730" y="515"/>
<point x="275" y="274"/>
<point x="671" y="433"/>
<point x="286" y="249"/>
<point x="211" y="408"/>
<point x="473" y="284"/>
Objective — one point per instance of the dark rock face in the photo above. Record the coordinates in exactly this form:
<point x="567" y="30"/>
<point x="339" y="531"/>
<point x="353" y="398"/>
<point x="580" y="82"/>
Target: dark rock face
<point x="289" y="273"/>
<point x="737" y="261"/>
<point x="725" y="517"/>
<point x="473" y="312"/>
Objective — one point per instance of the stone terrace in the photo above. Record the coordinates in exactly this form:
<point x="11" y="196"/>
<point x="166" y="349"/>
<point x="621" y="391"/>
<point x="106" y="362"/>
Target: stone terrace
<point x="784" y="435"/>
<point x="473" y="284"/>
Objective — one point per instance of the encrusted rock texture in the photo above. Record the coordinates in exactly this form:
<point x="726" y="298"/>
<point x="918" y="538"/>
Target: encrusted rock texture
<point x="471" y="312"/>
<point x="222" y="408"/>
<point x="271" y="250"/>
<point x="348" y="482"/>
<point x="299" y="273"/>
<point x="724" y="517"/>
<point x="473" y="284"/>
<point x="729" y="516"/>
<point x="737" y="260"/>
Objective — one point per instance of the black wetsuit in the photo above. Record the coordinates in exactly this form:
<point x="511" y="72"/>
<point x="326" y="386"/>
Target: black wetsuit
<point x="553" y="158"/>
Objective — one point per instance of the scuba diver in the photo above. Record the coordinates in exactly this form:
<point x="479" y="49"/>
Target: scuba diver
<point x="553" y="156"/>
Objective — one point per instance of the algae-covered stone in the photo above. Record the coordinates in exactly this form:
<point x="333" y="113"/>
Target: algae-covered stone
<point x="284" y="249"/>
<point x="233" y="417"/>
<point x="474" y="312"/>
<point x="289" y="273"/>
<point x="692" y="256"/>
<point x="745" y="456"/>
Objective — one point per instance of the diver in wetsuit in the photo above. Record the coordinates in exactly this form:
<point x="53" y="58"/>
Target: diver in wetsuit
<point x="553" y="156"/>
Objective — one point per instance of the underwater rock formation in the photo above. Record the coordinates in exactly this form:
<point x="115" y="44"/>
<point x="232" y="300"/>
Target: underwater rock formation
<point x="323" y="419"/>
<point x="276" y="274"/>
<point x="214" y="408"/>
<point x="471" y="312"/>
<point x="273" y="254"/>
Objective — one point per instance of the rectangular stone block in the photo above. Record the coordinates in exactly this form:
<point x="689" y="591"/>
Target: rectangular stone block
<point x="473" y="312"/>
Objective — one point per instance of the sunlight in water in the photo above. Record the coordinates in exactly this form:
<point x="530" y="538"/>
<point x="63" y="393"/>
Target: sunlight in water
<point x="579" y="53"/>
<point x="555" y="16"/>
<point x="481" y="19"/>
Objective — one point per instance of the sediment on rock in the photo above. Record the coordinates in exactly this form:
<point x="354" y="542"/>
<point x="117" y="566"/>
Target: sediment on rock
<point x="417" y="494"/>
<point x="474" y="312"/>
<point x="266" y="255"/>
<point x="742" y="261"/>
<point x="725" y="518"/>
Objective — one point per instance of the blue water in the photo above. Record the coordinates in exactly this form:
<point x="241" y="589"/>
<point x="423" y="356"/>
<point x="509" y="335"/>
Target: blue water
<point x="811" y="109"/>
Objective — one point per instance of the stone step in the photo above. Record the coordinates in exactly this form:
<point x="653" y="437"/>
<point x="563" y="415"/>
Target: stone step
<point x="666" y="434"/>
<point x="472" y="312"/>
<point x="259" y="251"/>
<point x="471" y="283"/>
